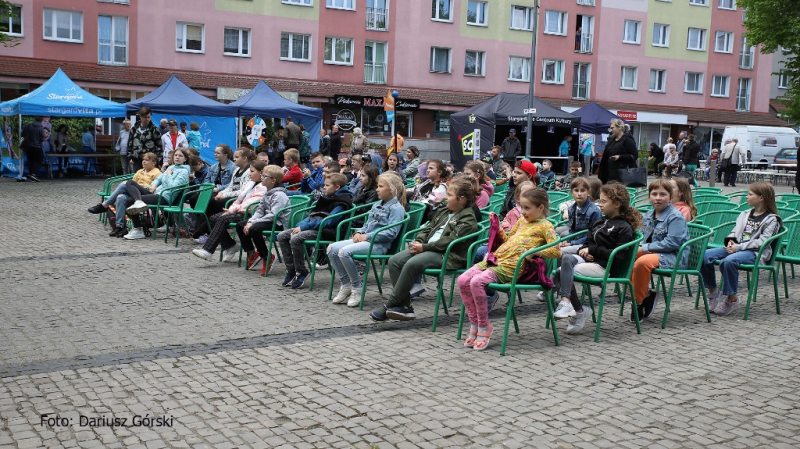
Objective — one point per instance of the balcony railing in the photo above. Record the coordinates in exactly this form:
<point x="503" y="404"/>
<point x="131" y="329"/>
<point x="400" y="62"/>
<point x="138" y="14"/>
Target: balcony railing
<point x="580" y="91"/>
<point x="586" y="44"/>
<point x="746" y="60"/>
<point x="378" y="19"/>
<point x="375" y="73"/>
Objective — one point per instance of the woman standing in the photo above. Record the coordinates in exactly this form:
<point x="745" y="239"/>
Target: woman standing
<point x="359" y="144"/>
<point x="657" y="156"/>
<point x="620" y="152"/>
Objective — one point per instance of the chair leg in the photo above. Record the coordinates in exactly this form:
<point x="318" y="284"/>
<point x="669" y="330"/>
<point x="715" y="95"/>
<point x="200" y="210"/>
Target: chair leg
<point x="452" y="289"/>
<point x="330" y="284"/>
<point x="509" y="314"/>
<point x="777" y="296"/>
<point x="785" y="281"/>
<point x="363" y="289"/>
<point x="460" y="321"/>
<point x="600" y="313"/>
<point x="439" y="299"/>
<point x="688" y="284"/>
<point x="668" y="297"/>
<point x="375" y="272"/>
<point x="181" y="224"/>
<point x="550" y="317"/>
<point x="751" y="293"/>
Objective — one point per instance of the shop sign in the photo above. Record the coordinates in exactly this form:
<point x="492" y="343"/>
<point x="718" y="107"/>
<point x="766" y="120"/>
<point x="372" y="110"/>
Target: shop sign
<point x="374" y="102"/>
<point x="628" y="115"/>
<point x="346" y="120"/>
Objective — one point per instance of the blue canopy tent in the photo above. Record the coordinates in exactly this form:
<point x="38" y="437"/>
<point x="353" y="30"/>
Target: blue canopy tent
<point x="176" y="100"/>
<point x="263" y="101"/>
<point x="59" y="96"/>
<point x="595" y="118"/>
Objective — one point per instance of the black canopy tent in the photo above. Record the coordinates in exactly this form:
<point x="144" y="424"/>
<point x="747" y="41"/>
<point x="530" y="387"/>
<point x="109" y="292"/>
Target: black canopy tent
<point x="493" y="118"/>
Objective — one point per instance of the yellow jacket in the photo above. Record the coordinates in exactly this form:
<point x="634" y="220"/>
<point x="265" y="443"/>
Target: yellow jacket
<point x="144" y="179"/>
<point x="523" y="236"/>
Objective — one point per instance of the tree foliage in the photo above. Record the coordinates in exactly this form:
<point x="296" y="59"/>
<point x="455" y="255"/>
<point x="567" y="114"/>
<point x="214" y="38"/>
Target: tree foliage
<point x="6" y="40"/>
<point x="775" y="26"/>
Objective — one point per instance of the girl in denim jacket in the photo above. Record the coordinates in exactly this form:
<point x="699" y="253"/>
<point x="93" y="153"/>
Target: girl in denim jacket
<point x="664" y="230"/>
<point x="390" y="209"/>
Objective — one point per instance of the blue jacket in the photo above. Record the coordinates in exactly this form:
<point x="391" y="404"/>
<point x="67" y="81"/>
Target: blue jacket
<point x="586" y="215"/>
<point x="193" y="138"/>
<point x="227" y="174"/>
<point x="200" y="175"/>
<point x="345" y="202"/>
<point x="179" y="176"/>
<point x="379" y="216"/>
<point x="563" y="149"/>
<point x="666" y="234"/>
<point x="547" y="178"/>
<point x="313" y="182"/>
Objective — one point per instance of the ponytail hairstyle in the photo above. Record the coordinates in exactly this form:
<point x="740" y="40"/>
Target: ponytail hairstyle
<point x="477" y="187"/>
<point x="765" y="190"/>
<point x="247" y="153"/>
<point x="440" y="167"/>
<point x="625" y="127"/>
<point x="477" y="168"/>
<point x="464" y="186"/>
<point x="686" y="194"/>
<point x="538" y="197"/>
<point x="395" y="183"/>
<point x="617" y="193"/>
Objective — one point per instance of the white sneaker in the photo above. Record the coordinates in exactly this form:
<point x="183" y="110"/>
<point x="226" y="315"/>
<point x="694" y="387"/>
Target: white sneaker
<point x="343" y="295"/>
<point x="162" y="229"/>
<point x="203" y="254"/>
<point x="541" y="297"/>
<point x="202" y="239"/>
<point x="564" y="310"/>
<point x="355" y="300"/>
<point x="577" y="322"/>
<point x="136" y="208"/>
<point x="231" y="255"/>
<point x="136" y="234"/>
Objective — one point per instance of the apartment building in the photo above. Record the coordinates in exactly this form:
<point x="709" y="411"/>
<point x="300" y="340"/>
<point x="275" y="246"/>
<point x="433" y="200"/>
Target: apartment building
<point x="665" y="65"/>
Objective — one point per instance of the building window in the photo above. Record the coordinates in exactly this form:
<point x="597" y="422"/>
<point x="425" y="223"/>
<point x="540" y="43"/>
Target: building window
<point x="66" y="26"/>
<point x="658" y="80"/>
<point x="581" y="76"/>
<point x="628" y="78"/>
<point x="339" y="50"/>
<point x="237" y="42"/>
<point x="441" y="124"/>
<point x="112" y="40"/>
<point x="475" y="63"/>
<point x="341" y="4"/>
<point x="747" y="56"/>
<point x="660" y="35"/>
<point x="296" y="47"/>
<point x="377" y="15"/>
<point x="697" y="39"/>
<point x="727" y="4"/>
<point x="477" y="13"/>
<point x="440" y="60"/>
<point x="720" y="85"/>
<point x="375" y="62"/>
<point x="519" y="69"/>
<point x="783" y="79"/>
<point x="699" y="2"/>
<point x="298" y="2"/>
<point x="693" y="83"/>
<point x="521" y="18"/>
<point x="11" y="21"/>
<point x="555" y="22"/>
<point x="121" y="2"/>
<point x="552" y="71"/>
<point x="743" y="95"/>
<point x="586" y="2"/>
<point x="723" y="42"/>
<point x="189" y="37"/>
<point x="442" y="10"/>
<point x="631" y="31"/>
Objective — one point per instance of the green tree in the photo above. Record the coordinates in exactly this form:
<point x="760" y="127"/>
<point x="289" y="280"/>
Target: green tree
<point x="5" y="13"/>
<point x="774" y="25"/>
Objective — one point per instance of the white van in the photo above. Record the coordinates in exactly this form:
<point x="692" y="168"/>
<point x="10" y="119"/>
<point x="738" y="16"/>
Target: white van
<point x="762" y="142"/>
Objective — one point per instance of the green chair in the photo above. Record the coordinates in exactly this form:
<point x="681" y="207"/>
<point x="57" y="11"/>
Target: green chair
<point x="501" y="188"/>
<point x="793" y="204"/>
<point x="615" y="274"/>
<point x="696" y="247"/>
<point x="495" y="207"/>
<point x="720" y="232"/>
<point x="319" y="243"/>
<point x="205" y="192"/>
<point x="698" y="197"/>
<point x="789" y="197"/>
<point x="107" y="190"/>
<point x="713" y="206"/>
<point x="738" y="197"/>
<point x="295" y="202"/>
<point x="790" y="253"/>
<point x="786" y="213"/>
<point x="708" y="190"/>
<point x="714" y="219"/>
<point x="159" y="206"/>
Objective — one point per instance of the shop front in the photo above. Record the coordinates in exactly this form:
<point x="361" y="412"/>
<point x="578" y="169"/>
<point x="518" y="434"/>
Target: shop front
<point x="349" y="111"/>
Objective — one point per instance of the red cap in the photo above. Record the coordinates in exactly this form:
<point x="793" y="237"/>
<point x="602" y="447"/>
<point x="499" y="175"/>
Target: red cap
<point x="527" y="167"/>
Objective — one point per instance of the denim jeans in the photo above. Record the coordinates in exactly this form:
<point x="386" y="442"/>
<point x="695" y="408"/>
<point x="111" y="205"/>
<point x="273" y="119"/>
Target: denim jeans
<point x="729" y="268"/>
<point x="118" y="191"/>
<point x="340" y="255"/>
<point x="293" y="249"/>
<point x="121" y="205"/>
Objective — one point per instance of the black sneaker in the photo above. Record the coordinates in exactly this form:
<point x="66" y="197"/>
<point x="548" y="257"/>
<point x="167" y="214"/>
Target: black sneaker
<point x="122" y="232"/>
<point x="650" y="302"/>
<point x="33" y="178"/>
<point x="640" y="310"/>
<point x="299" y="280"/>
<point x="97" y="209"/>
<point x="379" y="314"/>
<point x="287" y="281"/>
<point x="402" y="313"/>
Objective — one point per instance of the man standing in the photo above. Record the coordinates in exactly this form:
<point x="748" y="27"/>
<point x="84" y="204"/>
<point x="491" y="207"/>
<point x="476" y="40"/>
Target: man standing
<point x="336" y="143"/>
<point x="324" y="142"/>
<point x="563" y="151"/>
<point x="587" y="152"/>
<point x="736" y="155"/>
<point x="691" y="156"/>
<point x="121" y="146"/>
<point x="681" y="143"/>
<point x="511" y="147"/>
<point x="163" y="128"/>
<point x="32" y="135"/>
<point x="172" y="141"/>
<point x="293" y="134"/>
<point x="145" y="138"/>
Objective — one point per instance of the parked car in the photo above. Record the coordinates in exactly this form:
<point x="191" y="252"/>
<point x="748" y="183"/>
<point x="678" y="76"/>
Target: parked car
<point x="786" y="156"/>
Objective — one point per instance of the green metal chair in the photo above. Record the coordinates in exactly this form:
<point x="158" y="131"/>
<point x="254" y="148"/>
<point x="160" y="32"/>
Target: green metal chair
<point x="494" y="207"/>
<point x="720" y="232"/>
<point x="296" y="202"/>
<point x="786" y="213"/>
<point x="501" y="188"/>
<point x="708" y="190"/>
<point x="696" y="247"/>
<point x="698" y="197"/>
<point x="714" y="206"/>
<point x="205" y="192"/>
<point x="714" y="219"/>
<point x="789" y="197"/>
<point x="615" y="274"/>
<point x="159" y="206"/>
<point x="793" y="204"/>
<point x="320" y="243"/>
<point x="790" y="253"/>
<point x="738" y="197"/>
<point x="107" y="190"/>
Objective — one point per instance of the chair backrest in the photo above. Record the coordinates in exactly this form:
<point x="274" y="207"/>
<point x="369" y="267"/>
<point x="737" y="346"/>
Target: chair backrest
<point x="698" y="197"/>
<point x="793" y="204"/>
<point x="502" y="188"/>
<point x="714" y="206"/>
<point x="786" y="214"/>
<point x="497" y="197"/>
<point x="205" y="192"/>
<point x="398" y="242"/>
<point x="792" y="236"/>
<point x="714" y="219"/>
<point x="789" y="197"/>
<point x="109" y="182"/>
<point x="707" y="190"/>
<point x="416" y="213"/>
<point x="738" y="197"/>
<point x="622" y="269"/>
<point x="722" y="231"/>
<point x="776" y="241"/>
<point x="696" y="245"/>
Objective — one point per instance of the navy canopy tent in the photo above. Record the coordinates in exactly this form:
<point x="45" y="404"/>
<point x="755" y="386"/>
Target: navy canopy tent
<point x="594" y="118"/>
<point x="263" y="101"/>
<point x="174" y="97"/>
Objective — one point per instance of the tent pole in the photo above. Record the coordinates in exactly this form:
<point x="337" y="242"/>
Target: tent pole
<point x="532" y="76"/>
<point x="21" y="152"/>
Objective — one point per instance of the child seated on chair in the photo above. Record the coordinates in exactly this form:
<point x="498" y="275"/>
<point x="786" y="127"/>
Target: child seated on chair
<point x="449" y="223"/>
<point x="292" y="174"/>
<point x="390" y="209"/>
<point x="250" y="231"/>
<point x="251" y="192"/>
<point x="531" y="231"/>
<point x="547" y="176"/>
<point x="574" y="173"/>
<point x="580" y="215"/>
<point x="614" y="229"/>
<point x="433" y="190"/>
<point x="752" y="228"/>
<point x="664" y="230"/>
<point x="292" y="241"/>
<point x="313" y="178"/>
<point x="509" y="220"/>
<point x="475" y="170"/>
<point x="682" y="198"/>
<point x="524" y="171"/>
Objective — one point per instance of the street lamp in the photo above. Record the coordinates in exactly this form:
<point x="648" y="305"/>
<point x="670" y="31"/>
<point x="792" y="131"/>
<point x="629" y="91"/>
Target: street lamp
<point x="532" y="76"/>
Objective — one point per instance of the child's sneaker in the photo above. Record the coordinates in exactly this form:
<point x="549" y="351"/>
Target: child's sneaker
<point x="136" y="208"/>
<point x="136" y="234"/>
<point x="726" y="307"/>
<point x="713" y="300"/>
<point x="650" y="302"/>
<point x="253" y="259"/>
<point x="267" y="268"/>
<point x="202" y="239"/>
<point x="287" y="281"/>
<point x="564" y="310"/>
<point x="491" y="301"/>
<point x="97" y="209"/>
<point x="541" y="297"/>
<point x="343" y="295"/>
<point x="639" y="310"/>
<point x="355" y="300"/>
<point x="299" y="280"/>
<point x="231" y="254"/>
<point x="416" y="290"/>
<point x="379" y="314"/>
<point x="203" y="254"/>
<point x="402" y="313"/>
<point x="577" y="322"/>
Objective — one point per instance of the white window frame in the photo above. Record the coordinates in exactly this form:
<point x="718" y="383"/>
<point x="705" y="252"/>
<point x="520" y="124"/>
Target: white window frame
<point x="121" y="2"/>
<point x="663" y="77"/>
<point x="721" y="4"/>
<point x="715" y="83"/>
<point x="562" y="23"/>
<point x="180" y="27"/>
<point x="449" y="59"/>
<point x="747" y="50"/>
<point x="728" y="42"/>
<point x="480" y="59"/>
<point x="309" y="3"/>
<point x="748" y="98"/>
<point x="334" y="40"/>
<point x="485" y="6"/>
<point x="527" y="17"/>
<point x="112" y="43"/>
<point x="664" y="35"/>
<point x="783" y="79"/>
<point x="21" y="23"/>
<point x="699" y="83"/>
<point x="526" y="69"/>
<point x="249" y="42"/>
<point x="625" y="69"/>
<point x="435" y="11"/>
<point x="558" y="71"/>
<point x="698" y="2"/>
<point x="702" y="39"/>
<point x="290" y="56"/>
<point x="54" y="25"/>
<point x="586" y="2"/>
<point x="638" y="29"/>
<point x="351" y="2"/>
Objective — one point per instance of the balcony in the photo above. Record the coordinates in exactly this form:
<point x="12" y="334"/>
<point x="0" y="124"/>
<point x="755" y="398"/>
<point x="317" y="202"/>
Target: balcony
<point x="586" y="43"/>
<point x="375" y="73"/>
<point x="378" y="19"/>
<point x="746" y="60"/>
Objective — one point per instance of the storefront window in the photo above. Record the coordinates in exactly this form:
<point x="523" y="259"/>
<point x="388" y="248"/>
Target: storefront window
<point x="708" y="138"/>
<point x="441" y="124"/>
<point x="648" y="132"/>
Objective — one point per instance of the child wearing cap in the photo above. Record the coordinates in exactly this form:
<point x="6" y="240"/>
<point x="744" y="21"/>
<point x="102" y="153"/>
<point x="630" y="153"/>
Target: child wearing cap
<point x="524" y="171"/>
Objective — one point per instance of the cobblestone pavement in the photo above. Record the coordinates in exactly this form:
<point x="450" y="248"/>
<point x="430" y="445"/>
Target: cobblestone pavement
<point x="96" y="329"/>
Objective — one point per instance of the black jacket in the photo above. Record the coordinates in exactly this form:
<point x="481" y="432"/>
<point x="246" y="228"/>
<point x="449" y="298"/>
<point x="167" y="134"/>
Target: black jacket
<point x="605" y="235"/>
<point x="691" y="153"/>
<point x="626" y="149"/>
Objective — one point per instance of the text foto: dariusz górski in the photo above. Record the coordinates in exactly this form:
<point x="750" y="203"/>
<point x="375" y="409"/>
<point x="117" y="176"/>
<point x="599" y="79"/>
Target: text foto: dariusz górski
<point x="148" y="420"/>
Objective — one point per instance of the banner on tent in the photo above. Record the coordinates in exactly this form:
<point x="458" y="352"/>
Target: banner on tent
<point x="213" y="131"/>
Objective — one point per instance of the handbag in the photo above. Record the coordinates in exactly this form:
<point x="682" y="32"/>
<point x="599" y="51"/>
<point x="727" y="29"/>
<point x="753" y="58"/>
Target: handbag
<point x="633" y="177"/>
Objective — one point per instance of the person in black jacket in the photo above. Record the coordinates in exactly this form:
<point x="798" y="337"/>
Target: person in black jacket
<point x="656" y="155"/>
<point x="691" y="156"/>
<point x="620" y="152"/>
<point x="335" y="143"/>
